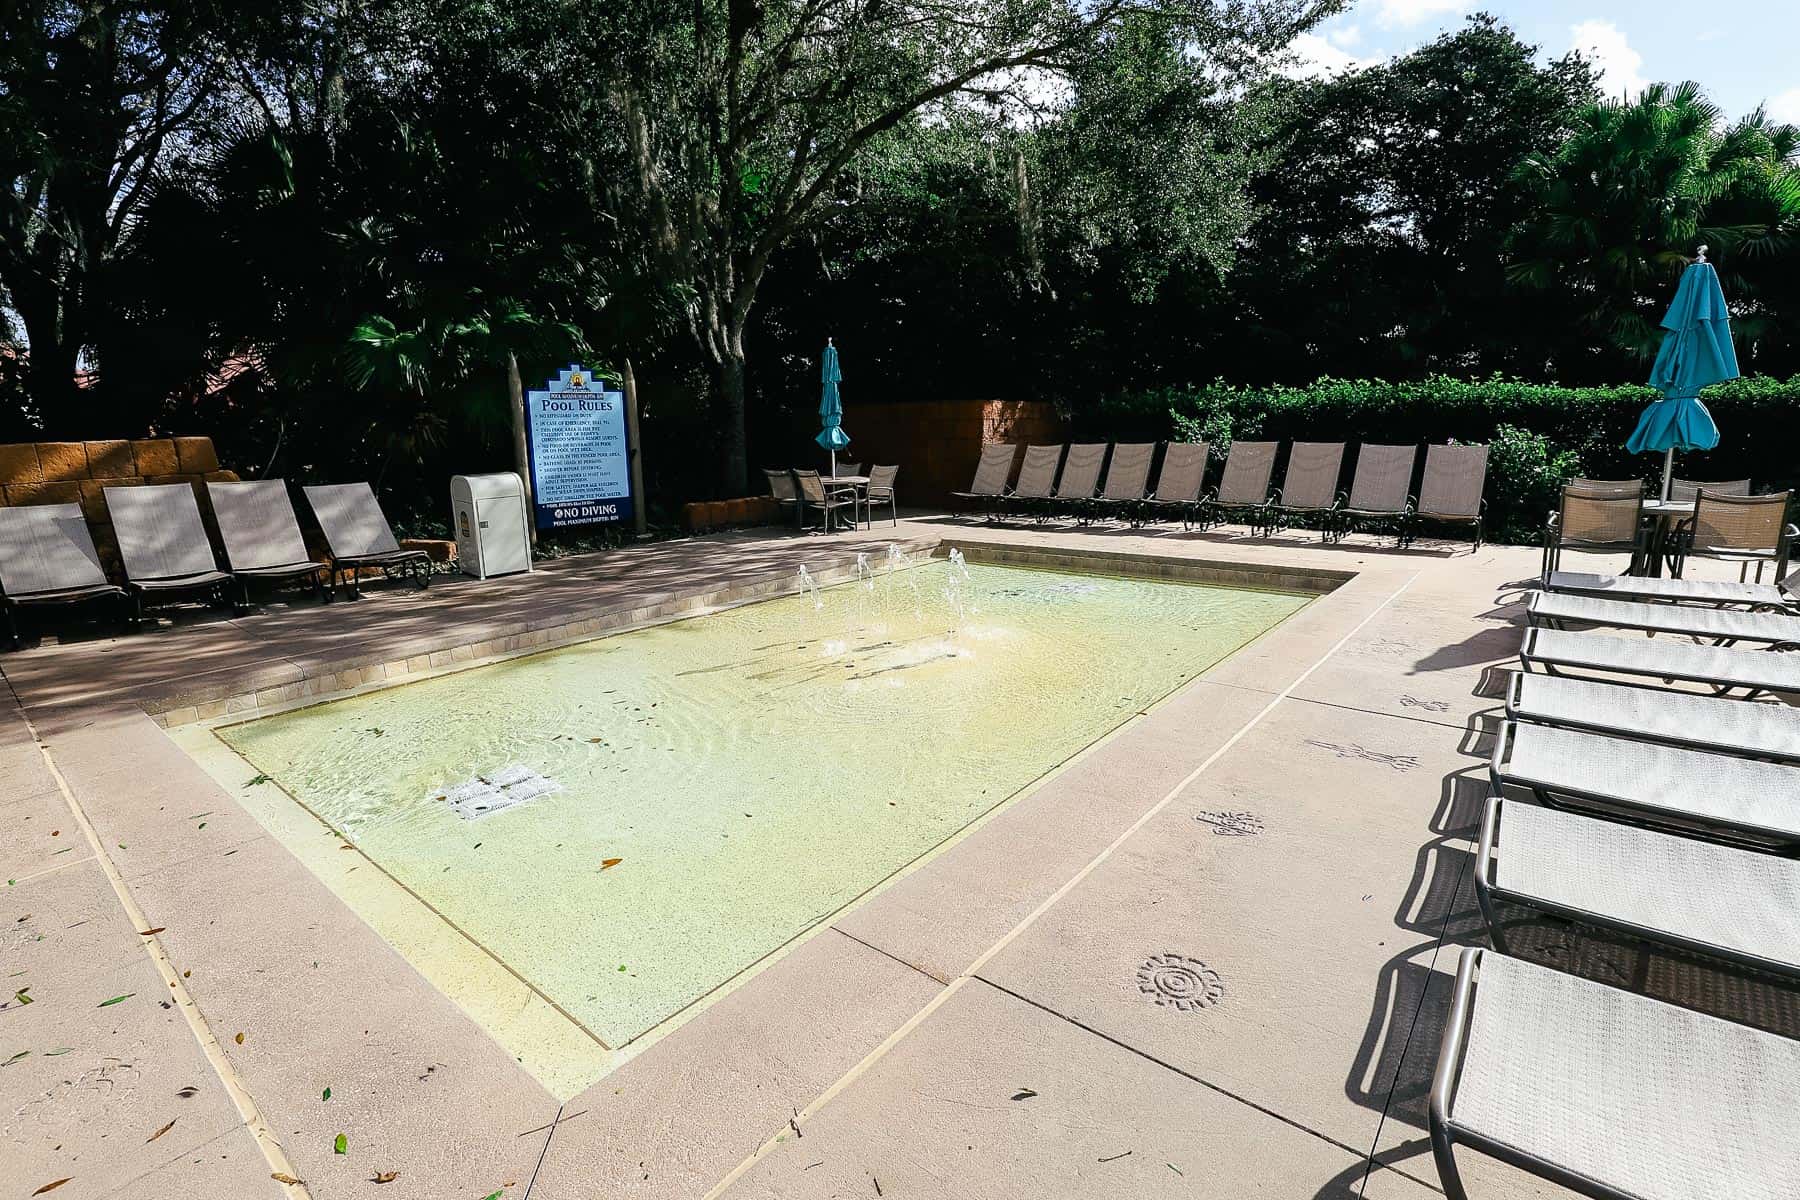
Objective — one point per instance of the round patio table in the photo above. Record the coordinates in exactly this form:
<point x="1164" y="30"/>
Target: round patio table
<point x="1666" y="513"/>
<point x="857" y="485"/>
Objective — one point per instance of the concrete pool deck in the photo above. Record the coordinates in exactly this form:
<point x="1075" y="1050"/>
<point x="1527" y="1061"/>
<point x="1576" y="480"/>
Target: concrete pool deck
<point x="1210" y="956"/>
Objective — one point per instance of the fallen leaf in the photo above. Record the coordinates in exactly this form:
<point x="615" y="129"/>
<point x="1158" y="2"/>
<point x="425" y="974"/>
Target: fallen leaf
<point x="115" y="1000"/>
<point x="327" y="1094"/>
<point x="239" y="1039"/>
<point x="148" y="932"/>
<point x="278" y="1177"/>
<point x="20" y="998"/>
<point x="1023" y="1094"/>
<point x="259" y="779"/>
<point x="189" y="1091"/>
<point x="491" y="1196"/>
<point x="607" y="864"/>
<point x="596" y="741"/>
<point x="341" y="1146"/>
<point x="57" y="1051"/>
<point x="386" y="1176"/>
<point x="161" y="1131"/>
<point x="53" y="1185"/>
<point x="15" y="1058"/>
<point x="187" y="973"/>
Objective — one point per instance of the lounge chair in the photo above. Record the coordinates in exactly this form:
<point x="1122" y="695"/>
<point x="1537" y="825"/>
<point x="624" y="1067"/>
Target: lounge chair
<point x="1597" y="517"/>
<point x="1713" y="723"/>
<point x="1179" y="484"/>
<point x="991" y="475"/>
<point x="47" y="556"/>
<point x="1037" y="479"/>
<point x="262" y="538"/>
<point x="881" y="491"/>
<point x="1455" y="477"/>
<point x="1739" y="800"/>
<point x="1720" y="593"/>
<point x="1243" y="491"/>
<point x="827" y="502"/>
<point x="1310" y="488"/>
<point x="1080" y="479"/>
<point x="1722" y="667"/>
<point x="1719" y="902"/>
<point x="1608" y="1093"/>
<point x="1127" y="480"/>
<point x="1723" y="626"/>
<point x="1740" y="529"/>
<point x="1381" y="492"/>
<point x="1686" y="491"/>
<point x="785" y="493"/>
<point x="164" y="544"/>
<point x="358" y="537"/>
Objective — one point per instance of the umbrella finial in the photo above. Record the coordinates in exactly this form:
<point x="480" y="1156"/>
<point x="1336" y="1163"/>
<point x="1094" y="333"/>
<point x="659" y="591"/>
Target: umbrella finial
<point x="1701" y="256"/>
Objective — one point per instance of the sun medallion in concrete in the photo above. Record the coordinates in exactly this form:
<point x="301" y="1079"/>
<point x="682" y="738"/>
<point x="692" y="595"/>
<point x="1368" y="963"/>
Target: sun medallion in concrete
<point x="1179" y="982"/>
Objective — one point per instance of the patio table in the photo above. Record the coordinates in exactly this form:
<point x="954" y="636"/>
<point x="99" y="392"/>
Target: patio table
<point x="1665" y="513"/>
<point x="857" y="485"/>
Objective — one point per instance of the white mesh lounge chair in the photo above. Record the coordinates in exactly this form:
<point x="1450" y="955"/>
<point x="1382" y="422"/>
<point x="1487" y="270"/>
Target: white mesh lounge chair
<point x="1243" y="491"/>
<point x="1723" y="626"/>
<point x="1381" y="492"/>
<point x="358" y="537"/>
<point x="262" y="538"/>
<point x="1310" y="488"/>
<point x="1037" y="479"/>
<point x="1610" y="1094"/>
<point x="1179" y="484"/>
<point x="1598" y="517"/>
<point x="1738" y="800"/>
<point x="1717" y="592"/>
<point x="1719" y="902"/>
<point x="1080" y="479"/>
<point x="1723" y="667"/>
<point x="47" y="557"/>
<point x="164" y="543"/>
<point x="991" y="475"/>
<point x="1127" y="480"/>
<point x="1455" y="477"/>
<point x="1724" y="726"/>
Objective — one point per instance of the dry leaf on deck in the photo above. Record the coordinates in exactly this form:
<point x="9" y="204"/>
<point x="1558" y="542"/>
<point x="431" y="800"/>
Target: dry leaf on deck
<point x="161" y="1131"/>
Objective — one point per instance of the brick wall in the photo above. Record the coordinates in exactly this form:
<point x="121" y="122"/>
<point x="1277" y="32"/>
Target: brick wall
<point x="937" y="442"/>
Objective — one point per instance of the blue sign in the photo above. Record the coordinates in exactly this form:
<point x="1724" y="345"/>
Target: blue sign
<point x="580" y="461"/>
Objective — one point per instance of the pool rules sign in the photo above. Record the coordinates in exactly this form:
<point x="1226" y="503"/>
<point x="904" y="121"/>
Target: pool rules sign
<point x="580" y="456"/>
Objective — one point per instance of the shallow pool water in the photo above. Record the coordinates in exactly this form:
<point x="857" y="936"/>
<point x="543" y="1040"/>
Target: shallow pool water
<point x="752" y="771"/>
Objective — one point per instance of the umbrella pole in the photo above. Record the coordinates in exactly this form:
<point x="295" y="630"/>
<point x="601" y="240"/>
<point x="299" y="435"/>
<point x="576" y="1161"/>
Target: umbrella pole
<point x="1668" y="470"/>
<point x="834" y="462"/>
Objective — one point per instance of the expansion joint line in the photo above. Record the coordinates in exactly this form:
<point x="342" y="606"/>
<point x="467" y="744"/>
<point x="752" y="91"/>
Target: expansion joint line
<point x="974" y="969"/>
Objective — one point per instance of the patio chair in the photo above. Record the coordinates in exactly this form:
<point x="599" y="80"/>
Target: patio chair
<point x="1723" y="668"/>
<point x="164" y="544"/>
<point x="1718" y="902"/>
<point x="1080" y="479"/>
<point x="47" y="557"/>
<point x="1597" y="518"/>
<point x="1179" y="483"/>
<point x="358" y="537"/>
<point x="1455" y="477"/>
<point x="1608" y="1093"/>
<point x="1127" y="480"/>
<point x="1712" y="723"/>
<point x="1717" y="592"/>
<point x="781" y="487"/>
<point x="1722" y="626"/>
<point x="1687" y="490"/>
<point x="1037" y="480"/>
<point x="1380" y="494"/>
<point x="881" y="490"/>
<point x="849" y="468"/>
<point x="262" y="538"/>
<point x="1740" y="529"/>
<point x="991" y="474"/>
<point x="1738" y="800"/>
<point x="1243" y="491"/>
<point x="1607" y="485"/>
<point x="815" y="497"/>
<point x="1310" y="488"/>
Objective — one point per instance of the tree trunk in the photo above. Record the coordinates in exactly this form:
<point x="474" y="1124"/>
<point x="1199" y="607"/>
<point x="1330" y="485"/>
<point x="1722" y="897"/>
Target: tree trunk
<point x="729" y="412"/>
<point x="50" y="379"/>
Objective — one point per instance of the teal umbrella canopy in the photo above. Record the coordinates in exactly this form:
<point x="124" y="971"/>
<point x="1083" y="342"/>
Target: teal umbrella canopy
<point x="831" y="405"/>
<point x="1696" y="351"/>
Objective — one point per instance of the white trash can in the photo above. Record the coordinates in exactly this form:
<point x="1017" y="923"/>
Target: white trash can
<point x="492" y="524"/>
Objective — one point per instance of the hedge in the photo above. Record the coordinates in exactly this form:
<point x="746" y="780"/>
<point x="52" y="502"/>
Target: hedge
<point x="1540" y="434"/>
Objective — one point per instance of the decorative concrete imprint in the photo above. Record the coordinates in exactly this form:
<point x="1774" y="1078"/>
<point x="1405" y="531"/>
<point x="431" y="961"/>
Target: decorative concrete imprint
<point x="1231" y="824"/>
<point x="1427" y="705"/>
<point x="1400" y="762"/>
<point x="1179" y="982"/>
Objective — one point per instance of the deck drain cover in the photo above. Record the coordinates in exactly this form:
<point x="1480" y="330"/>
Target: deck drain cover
<point x="1231" y="824"/>
<point x="488" y="794"/>
<point x="1179" y="982"/>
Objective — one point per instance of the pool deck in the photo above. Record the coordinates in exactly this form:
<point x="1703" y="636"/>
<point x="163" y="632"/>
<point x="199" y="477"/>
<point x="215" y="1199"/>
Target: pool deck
<point x="996" y="1022"/>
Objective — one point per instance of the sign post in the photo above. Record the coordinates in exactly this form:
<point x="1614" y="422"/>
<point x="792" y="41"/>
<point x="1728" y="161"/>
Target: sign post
<point x="637" y="447"/>
<point x="580" y="453"/>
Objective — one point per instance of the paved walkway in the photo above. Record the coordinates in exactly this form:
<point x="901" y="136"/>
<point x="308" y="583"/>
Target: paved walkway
<point x="1209" y="957"/>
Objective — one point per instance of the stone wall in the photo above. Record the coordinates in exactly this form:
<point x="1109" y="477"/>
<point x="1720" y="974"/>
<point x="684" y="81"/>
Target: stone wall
<point x="937" y="442"/>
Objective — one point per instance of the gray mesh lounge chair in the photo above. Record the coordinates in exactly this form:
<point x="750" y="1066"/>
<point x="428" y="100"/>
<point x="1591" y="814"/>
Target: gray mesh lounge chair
<point x="1723" y="626"/>
<point x="1687" y="490"/>
<point x="1723" y="667"/>
<point x="1740" y="529"/>
<point x="1243" y="491"/>
<point x="1607" y="1093"/>
<point x="1714" y="723"/>
<point x="262" y="538"/>
<point x="1037" y="479"/>
<point x="1716" y="592"/>
<point x="1597" y="517"/>
<point x="1179" y="484"/>
<point x="828" y="503"/>
<point x="1380" y="493"/>
<point x="357" y="536"/>
<point x="881" y="491"/>
<point x="991" y="474"/>
<point x="1127" y="480"/>
<point x="1455" y="477"/>
<point x="1310" y="488"/>
<point x="164" y="543"/>
<point x="1080" y="479"/>
<point x="47" y="556"/>
<point x="786" y="494"/>
<point x="1719" y="902"/>
<point x="1728" y="799"/>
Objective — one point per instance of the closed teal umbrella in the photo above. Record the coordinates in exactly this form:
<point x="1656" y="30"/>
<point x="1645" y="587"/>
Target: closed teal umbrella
<point x="1696" y="351"/>
<point x="831" y="407"/>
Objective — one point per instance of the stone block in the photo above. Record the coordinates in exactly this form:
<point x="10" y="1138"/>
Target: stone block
<point x="195" y="455"/>
<point x="62" y="461"/>
<point x="60" y="492"/>
<point x="110" y="460"/>
<point x="19" y="464"/>
<point x="155" y="457"/>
